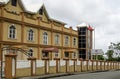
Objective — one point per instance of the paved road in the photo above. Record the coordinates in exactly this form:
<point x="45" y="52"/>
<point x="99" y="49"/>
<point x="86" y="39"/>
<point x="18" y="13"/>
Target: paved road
<point x="100" y="75"/>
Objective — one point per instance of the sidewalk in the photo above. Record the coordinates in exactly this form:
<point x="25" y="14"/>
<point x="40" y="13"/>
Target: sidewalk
<point x="44" y="76"/>
<point x="57" y="75"/>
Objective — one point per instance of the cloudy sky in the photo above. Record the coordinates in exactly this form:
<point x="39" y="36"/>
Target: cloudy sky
<point x="103" y="15"/>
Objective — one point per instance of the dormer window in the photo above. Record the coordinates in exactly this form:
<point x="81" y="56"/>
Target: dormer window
<point x="41" y="11"/>
<point x="14" y="3"/>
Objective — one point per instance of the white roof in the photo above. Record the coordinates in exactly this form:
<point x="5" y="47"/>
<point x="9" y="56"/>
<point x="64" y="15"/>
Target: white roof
<point x="97" y="52"/>
<point x="83" y="25"/>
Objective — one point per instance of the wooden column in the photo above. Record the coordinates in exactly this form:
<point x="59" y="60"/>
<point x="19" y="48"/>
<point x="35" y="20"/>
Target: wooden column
<point x="10" y="66"/>
<point x="33" y="66"/>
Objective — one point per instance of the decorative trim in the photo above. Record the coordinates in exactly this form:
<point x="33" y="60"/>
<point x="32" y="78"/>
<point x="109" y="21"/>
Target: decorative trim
<point x="36" y="26"/>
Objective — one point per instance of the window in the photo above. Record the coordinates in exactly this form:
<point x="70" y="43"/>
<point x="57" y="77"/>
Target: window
<point x="12" y="32"/>
<point x="74" y="41"/>
<point x="14" y="2"/>
<point x="56" y="54"/>
<point x="56" y="39"/>
<point x="45" y="54"/>
<point x="82" y="53"/>
<point x="30" y="35"/>
<point x="30" y="52"/>
<point x="45" y="38"/>
<point x="66" y="54"/>
<point x="82" y="31"/>
<point x="66" y="40"/>
<point x="74" y="55"/>
<point x="41" y="11"/>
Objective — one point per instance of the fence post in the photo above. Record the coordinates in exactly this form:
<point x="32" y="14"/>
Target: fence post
<point x="87" y="65"/>
<point x="110" y="65"/>
<point x="57" y="64"/>
<point x="92" y="65"/>
<point x="96" y="64"/>
<point x="81" y="60"/>
<point x="104" y="66"/>
<point x="107" y="65"/>
<point x="33" y="65"/>
<point x="67" y="64"/>
<point x="75" y="60"/>
<point x="10" y="66"/>
<point x="119" y="65"/>
<point x="101" y="65"/>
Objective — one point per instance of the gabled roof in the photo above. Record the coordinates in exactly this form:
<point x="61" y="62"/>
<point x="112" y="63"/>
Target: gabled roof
<point x="3" y="2"/>
<point x="46" y="13"/>
<point x="49" y="16"/>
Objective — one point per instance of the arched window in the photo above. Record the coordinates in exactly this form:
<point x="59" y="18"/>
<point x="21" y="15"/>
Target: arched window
<point x="12" y="32"/>
<point x="74" y="41"/>
<point x="30" y="52"/>
<point x="56" y="39"/>
<point x="45" y="38"/>
<point x="66" y="40"/>
<point x="30" y="35"/>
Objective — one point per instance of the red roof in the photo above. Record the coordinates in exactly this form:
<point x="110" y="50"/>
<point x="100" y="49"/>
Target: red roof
<point x="51" y="49"/>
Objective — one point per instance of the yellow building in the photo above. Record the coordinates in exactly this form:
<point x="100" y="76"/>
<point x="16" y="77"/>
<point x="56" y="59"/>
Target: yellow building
<point x="43" y="36"/>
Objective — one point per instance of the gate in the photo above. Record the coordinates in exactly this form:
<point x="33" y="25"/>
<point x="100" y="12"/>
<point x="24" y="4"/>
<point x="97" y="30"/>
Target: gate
<point x="10" y="50"/>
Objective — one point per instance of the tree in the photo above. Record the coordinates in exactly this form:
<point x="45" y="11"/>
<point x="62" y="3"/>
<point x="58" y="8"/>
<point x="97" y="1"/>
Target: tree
<point x="110" y="55"/>
<point x="114" y="52"/>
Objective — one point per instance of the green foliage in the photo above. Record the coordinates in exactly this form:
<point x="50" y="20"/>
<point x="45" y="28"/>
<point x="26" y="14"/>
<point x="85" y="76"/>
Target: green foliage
<point x="114" y="47"/>
<point x="100" y="57"/>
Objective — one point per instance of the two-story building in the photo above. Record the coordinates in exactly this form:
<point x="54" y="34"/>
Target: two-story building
<point x="43" y="36"/>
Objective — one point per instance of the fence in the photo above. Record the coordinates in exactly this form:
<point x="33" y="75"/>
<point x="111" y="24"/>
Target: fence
<point x="23" y="67"/>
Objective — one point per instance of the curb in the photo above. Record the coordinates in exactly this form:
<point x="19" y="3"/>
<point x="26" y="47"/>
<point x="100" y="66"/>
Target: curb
<point x="61" y="74"/>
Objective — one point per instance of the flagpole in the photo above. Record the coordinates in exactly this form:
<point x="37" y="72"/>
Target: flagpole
<point x="96" y="57"/>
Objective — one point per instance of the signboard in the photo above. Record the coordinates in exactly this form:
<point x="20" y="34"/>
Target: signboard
<point x="97" y="52"/>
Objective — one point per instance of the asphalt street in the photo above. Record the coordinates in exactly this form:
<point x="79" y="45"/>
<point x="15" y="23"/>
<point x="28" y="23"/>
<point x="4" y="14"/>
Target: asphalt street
<point x="99" y="75"/>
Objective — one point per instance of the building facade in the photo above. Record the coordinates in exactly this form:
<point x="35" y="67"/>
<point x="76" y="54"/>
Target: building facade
<point x="85" y="40"/>
<point x="44" y="37"/>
